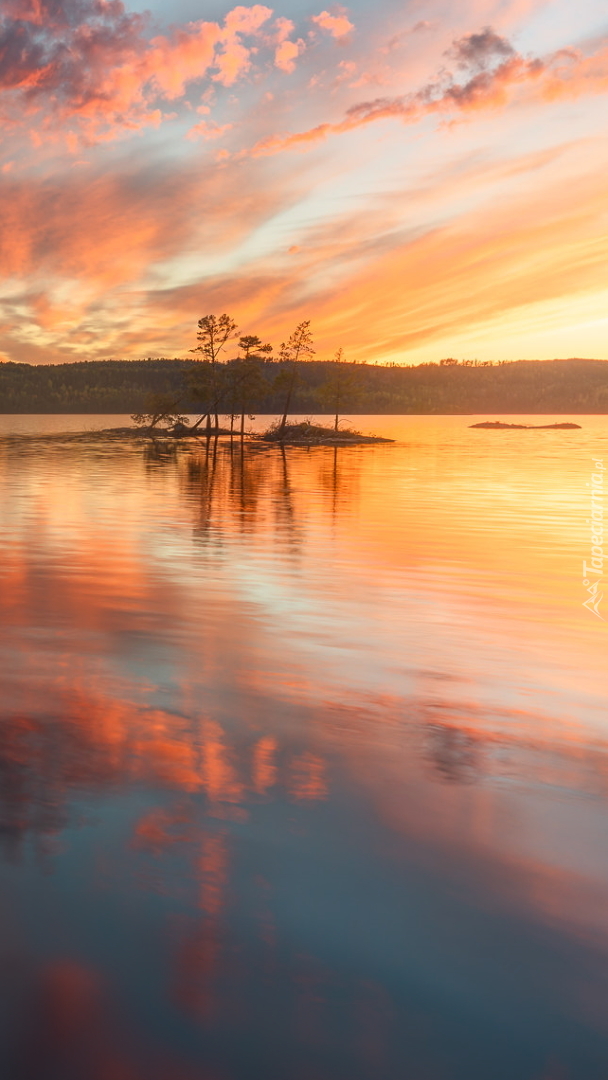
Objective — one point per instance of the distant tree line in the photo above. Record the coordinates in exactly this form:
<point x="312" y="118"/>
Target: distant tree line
<point x="253" y="381"/>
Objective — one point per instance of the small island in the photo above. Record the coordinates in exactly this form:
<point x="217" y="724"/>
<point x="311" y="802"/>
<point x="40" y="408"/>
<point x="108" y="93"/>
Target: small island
<point x="495" y="425"/>
<point x="234" y="386"/>
<point x="304" y="433"/>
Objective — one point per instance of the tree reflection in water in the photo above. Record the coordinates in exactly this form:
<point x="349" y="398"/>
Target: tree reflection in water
<point x="454" y="753"/>
<point x="239" y="842"/>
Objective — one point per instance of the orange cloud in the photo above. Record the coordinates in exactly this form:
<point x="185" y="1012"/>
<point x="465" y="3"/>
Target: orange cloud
<point x="526" y="244"/>
<point x="572" y="75"/>
<point x="488" y="266"/>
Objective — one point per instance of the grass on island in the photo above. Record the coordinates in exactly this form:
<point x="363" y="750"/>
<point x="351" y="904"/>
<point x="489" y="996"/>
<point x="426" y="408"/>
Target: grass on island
<point x="306" y="433"/>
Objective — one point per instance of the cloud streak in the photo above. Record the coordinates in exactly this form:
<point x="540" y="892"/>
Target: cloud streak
<point x="393" y="246"/>
<point x="496" y="75"/>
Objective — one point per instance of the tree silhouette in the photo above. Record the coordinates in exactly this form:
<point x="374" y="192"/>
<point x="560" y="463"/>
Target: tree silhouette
<point x="204" y="389"/>
<point x="214" y="333"/>
<point x="251" y="345"/>
<point x="298" y="347"/>
<point x="340" y="385"/>
<point x="159" y="408"/>
<point x="245" y="387"/>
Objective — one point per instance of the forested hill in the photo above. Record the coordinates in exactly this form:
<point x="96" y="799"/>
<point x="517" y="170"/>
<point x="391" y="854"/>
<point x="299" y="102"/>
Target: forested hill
<point x="120" y="386"/>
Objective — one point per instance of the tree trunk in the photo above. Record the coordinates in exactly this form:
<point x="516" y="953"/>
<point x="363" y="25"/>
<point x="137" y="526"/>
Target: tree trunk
<point x="242" y="426"/>
<point x="287" y="404"/>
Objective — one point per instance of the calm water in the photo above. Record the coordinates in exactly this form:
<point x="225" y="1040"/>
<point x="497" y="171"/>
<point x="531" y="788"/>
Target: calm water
<point x="303" y="758"/>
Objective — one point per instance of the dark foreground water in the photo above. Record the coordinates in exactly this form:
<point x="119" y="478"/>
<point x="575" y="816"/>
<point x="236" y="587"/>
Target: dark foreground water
<point x="303" y="758"/>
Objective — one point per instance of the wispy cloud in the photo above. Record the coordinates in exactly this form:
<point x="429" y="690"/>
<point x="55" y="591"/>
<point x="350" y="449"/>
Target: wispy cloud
<point x="147" y="174"/>
<point x="492" y="74"/>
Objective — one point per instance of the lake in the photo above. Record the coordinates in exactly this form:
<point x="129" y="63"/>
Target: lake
<point x="303" y="756"/>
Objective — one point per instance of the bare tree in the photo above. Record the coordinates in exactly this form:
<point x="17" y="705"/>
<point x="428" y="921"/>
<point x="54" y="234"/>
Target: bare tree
<point x="159" y="408"/>
<point x="246" y="385"/>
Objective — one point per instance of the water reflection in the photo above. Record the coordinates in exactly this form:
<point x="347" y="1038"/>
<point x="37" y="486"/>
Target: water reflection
<point x="455" y="754"/>
<point x="302" y="765"/>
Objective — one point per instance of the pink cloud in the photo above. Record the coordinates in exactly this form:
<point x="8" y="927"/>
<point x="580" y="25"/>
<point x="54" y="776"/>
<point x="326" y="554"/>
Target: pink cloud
<point x="397" y="40"/>
<point x="338" y="25"/>
<point x="244" y="20"/>
<point x="207" y="129"/>
<point x="496" y="75"/>
<point x="282" y="29"/>
<point x="286" y="54"/>
<point x="572" y="75"/>
<point x="166" y="66"/>
<point x="100" y="69"/>
<point x="234" y="60"/>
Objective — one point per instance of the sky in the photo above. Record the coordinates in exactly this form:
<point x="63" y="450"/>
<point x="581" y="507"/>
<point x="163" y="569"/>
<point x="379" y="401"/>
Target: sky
<point x="419" y="180"/>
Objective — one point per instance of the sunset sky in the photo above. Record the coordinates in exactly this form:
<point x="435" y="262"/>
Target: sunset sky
<point x="420" y="180"/>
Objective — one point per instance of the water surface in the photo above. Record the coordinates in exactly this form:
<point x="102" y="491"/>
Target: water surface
<point x="303" y="757"/>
